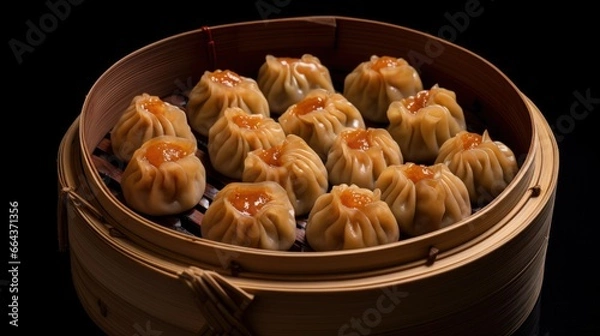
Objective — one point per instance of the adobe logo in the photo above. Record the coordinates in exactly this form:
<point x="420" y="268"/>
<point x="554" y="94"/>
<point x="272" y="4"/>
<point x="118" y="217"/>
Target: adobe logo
<point x="37" y="31"/>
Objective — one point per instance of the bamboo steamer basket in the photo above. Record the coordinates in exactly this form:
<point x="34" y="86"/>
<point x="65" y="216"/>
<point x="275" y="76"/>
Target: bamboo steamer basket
<point x="482" y="275"/>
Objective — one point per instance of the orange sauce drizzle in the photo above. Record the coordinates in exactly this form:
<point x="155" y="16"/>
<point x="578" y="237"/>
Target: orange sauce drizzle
<point x="153" y="105"/>
<point x="248" y="121"/>
<point x="357" y="139"/>
<point x="416" y="102"/>
<point x="272" y="156"/>
<point x="226" y="77"/>
<point x="161" y="152"/>
<point x="418" y="172"/>
<point x="470" y="140"/>
<point x="308" y="105"/>
<point x="354" y="199"/>
<point x="249" y="201"/>
<point x="384" y="62"/>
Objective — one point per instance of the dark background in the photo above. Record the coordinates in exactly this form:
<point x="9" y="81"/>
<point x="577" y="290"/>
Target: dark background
<point x="549" y="52"/>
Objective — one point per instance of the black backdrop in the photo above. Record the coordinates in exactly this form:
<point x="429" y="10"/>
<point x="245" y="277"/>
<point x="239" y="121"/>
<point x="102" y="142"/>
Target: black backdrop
<point x="549" y="52"/>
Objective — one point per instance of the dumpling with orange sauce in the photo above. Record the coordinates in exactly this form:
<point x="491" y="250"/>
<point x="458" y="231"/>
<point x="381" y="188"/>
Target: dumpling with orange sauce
<point x="286" y="80"/>
<point x="374" y="84"/>
<point x="164" y="177"/>
<point x="350" y="217"/>
<point x="218" y="90"/>
<point x="319" y="118"/>
<point x="147" y="116"/>
<point x="423" y="198"/>
<point x="421" y="123"/>
<point x="359" y="155"/>
<point x="486" y="166"/>
<point x="295" y="166"/>
<point x="251" y="214"/>
<point x="235" y="134"/>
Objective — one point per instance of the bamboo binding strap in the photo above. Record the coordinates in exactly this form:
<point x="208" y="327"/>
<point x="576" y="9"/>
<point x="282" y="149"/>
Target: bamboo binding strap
<point x="221" y="303"/>
<point x="61" y="212"/>
<point x="78" y="201"/>
<point x="210" y="45"/>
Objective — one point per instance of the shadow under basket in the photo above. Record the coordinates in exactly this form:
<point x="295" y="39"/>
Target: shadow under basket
<point x="482" y="275"/>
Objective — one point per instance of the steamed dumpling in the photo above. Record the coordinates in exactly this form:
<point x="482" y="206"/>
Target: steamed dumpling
<point x="218" y="90"/>
<point x="423" y="198"/>
<point x="420" y="124"/>
<point x="164" y="177"/>
<point x="485" y="166"/>
<point x="350" y="217"/>
<point x="146" y="117"/>
<point x="285" y="80"/>
<point x="235" y="134"/>
<point x="257" y="215"/>
<point x="292" y="164"/>
<point x="319" y="118"/>
<point x="375" y="83"/>
<point x="359" y="155"/>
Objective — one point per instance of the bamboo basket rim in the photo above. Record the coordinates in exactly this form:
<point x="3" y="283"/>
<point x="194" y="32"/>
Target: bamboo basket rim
<point x="519" y="184"/>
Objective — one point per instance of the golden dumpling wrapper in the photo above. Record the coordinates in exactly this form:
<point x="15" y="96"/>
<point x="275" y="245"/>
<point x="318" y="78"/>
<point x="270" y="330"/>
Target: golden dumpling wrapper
<point x="420" y="124"/>
<point x="285" y="80"/>
<point x="350" y="217"/>
<point x="235" y="134"/>
<point x="377" y="82"/>
<point x="218" y="90"/>
<point x="319" y="118"/>
<point x="257" y="215"/>
<point x="295" y="166"/>
<point x="359" y="155"/>
<point x="164" y="177"/>
<point x="423" y="198"/>
<point x="146" y="117"/>
<point x="486" y="166"/>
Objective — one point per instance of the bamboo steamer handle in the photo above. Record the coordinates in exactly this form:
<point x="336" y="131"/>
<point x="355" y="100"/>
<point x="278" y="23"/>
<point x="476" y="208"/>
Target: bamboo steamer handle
<point x="222" y="303"/>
